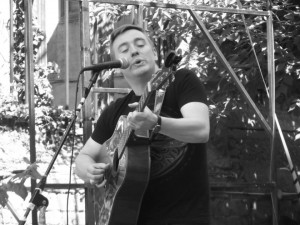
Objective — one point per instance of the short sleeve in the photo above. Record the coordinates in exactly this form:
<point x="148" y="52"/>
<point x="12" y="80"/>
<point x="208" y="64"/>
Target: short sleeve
<point x="189" y="88"/>
<point x="103" y="130"/>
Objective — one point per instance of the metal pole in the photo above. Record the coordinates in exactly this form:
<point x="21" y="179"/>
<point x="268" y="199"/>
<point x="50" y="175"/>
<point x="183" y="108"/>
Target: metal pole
<point x="11" y="49"/>
<point x="30" y="89"/>
<point x="86" y="110"/>
<point x="271" y="79"/>
<point x="185" y="7"/>
<point x="86" y="60"/>
<point x="231" y="71"/>
<point x="42" y="52"/>
<point x="95" y="60"/>
<point x="67" y="77"/>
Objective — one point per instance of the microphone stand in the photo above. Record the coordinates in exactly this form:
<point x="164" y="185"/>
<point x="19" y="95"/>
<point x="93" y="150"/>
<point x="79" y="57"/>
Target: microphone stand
<point x="37" y="199"/>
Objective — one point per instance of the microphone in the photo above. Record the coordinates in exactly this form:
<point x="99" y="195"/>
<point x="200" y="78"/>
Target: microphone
<point x="120" y="63"/>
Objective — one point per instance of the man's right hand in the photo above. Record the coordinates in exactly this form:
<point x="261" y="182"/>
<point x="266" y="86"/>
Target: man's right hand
<point x="96" y="172"/>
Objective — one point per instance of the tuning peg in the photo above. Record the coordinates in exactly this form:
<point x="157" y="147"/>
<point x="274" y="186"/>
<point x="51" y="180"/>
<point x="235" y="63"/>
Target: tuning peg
<point x="172" y="59"/>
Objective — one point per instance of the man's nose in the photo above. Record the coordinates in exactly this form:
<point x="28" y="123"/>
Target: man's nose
<point x="134" y="51"/>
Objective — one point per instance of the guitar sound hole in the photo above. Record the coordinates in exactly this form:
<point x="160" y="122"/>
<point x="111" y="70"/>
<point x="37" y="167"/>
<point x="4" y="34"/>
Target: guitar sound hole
<point x="115" y="162"/>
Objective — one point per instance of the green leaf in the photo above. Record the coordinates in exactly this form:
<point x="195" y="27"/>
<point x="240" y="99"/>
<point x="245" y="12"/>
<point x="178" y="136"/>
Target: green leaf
<point x="290" y="16"/>
<point x="18" y="188"/>
<point x="280" y="67"/>
<point x="3" y="196"/>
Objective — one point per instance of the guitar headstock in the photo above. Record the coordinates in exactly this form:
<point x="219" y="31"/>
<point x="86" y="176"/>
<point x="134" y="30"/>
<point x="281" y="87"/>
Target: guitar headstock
<point x="162" y="79"/>
<point x="165" y="76"/>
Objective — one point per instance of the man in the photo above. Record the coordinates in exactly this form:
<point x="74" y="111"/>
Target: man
<point x="178" y="191"/>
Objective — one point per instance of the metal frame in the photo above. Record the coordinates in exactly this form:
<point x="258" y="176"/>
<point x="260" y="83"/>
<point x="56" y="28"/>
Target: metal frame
<point x="215" y="47"/>
<point x="11" y="46"/>
<point x="269" y="125"/>
<point x="29" y="74"/>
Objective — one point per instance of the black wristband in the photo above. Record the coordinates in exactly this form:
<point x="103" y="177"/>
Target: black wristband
<point x="157" y="126"/>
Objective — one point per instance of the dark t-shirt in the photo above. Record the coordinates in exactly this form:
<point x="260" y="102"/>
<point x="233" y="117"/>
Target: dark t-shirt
<point x="178" y="188"/>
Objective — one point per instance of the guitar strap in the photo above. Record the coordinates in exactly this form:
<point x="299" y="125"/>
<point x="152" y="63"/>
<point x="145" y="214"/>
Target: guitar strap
<point x="159" y="98"/>
<point x="160" y="93"/>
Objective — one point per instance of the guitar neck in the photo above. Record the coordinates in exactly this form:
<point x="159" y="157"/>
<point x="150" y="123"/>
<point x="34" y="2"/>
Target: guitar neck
<point x="128" y="131"/>
<point x="144" y="99"/>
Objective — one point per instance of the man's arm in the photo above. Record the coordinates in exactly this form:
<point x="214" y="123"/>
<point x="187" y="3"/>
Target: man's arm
<point x="91" y="162"/>
<point x="192" y="128"/>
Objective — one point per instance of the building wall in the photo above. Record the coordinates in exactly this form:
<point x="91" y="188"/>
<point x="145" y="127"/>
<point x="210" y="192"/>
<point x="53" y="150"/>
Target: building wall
<point x="56" y="50"/>
<point x="56" y="54"/>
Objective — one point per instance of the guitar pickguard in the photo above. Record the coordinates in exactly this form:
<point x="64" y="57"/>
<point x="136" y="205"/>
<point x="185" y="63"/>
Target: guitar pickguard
<point x="115" y="175"/>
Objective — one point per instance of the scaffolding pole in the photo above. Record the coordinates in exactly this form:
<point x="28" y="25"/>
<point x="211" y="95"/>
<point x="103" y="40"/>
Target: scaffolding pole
<point x="11" y="44"/>
<point x="67" y="77"/>
<point x="29" y="74"/>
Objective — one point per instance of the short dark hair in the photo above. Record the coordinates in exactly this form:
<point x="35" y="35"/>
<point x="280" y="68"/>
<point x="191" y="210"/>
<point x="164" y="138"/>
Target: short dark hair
<point x="120" y="30"/>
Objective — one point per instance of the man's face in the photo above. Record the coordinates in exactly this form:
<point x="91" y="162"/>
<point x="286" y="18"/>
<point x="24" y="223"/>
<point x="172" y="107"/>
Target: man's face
<point x="134" y="46"/>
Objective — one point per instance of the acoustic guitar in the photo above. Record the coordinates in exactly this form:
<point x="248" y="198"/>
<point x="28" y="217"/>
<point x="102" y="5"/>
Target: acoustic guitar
<point x="128" y="176"/>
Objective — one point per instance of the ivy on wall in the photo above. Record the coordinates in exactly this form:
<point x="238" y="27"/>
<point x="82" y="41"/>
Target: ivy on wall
<point x="50" y="121"/>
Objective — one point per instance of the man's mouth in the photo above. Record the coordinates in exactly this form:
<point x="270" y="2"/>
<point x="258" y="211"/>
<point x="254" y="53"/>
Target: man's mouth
<point x="138" y="62"/>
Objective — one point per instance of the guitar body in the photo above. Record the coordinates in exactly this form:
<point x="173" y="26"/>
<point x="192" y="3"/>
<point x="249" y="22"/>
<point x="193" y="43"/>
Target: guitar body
<point x="126" y="180"/>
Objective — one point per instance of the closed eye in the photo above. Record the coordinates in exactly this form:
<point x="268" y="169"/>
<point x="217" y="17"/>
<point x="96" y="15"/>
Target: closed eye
<point x="140" y="43"/>
<point x="123" y="48"/>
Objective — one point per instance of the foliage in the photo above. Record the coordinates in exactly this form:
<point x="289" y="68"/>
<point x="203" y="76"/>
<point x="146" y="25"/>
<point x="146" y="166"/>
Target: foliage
<point x="175" y="29"/>
<point x="42" y="87"/>
<point x="51" y="122"/>
<point x="15" y="183"/>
